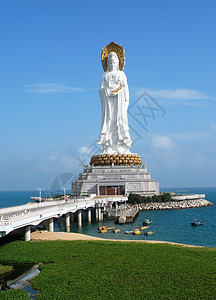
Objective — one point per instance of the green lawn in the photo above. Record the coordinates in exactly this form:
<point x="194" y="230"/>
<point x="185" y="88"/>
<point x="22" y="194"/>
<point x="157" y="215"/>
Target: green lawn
<point x="115" y="270"/>
<point x="5" y="269"/>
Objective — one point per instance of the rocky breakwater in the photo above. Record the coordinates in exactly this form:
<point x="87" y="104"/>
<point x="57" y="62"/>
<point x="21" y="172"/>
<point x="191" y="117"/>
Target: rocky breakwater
<point x="172" y="205"/>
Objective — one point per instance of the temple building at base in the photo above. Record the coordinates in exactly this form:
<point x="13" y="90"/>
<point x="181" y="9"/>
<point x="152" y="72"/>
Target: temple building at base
<point x="115" y="180"/>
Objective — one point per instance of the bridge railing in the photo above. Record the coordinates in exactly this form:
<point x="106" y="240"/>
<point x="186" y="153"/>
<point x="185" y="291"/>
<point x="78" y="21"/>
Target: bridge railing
<point x="5" y="223"/>
<point x="41" y="211"/>
<point x="40" y="204"/>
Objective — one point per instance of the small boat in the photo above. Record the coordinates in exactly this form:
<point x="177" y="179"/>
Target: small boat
<point x="112" y="227"/>
<point x="149" y="233"/>
<point x="136" y="231"/>
<point x="101" y="227"/>
<point x="129" y="231"/>
<point x="147" y="222"/>
<point x="117" y="230"/>
<point x="143" y="227"/>
<point x="102" y="230"/>
<point x="195" y="223"/>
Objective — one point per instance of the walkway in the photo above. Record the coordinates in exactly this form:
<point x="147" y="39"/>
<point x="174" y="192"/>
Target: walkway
<point x="24" y="216"/>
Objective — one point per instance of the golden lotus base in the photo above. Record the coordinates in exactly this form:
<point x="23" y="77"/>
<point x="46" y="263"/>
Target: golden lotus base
<point x="116" y="160"/>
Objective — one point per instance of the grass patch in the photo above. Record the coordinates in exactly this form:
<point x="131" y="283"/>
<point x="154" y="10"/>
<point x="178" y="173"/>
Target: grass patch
<point x="115" y="270"/>
<point x="5" y="269"/>
<point x="14" y="295"/>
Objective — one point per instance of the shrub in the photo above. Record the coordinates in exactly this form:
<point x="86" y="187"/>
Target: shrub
<point x="136" y="198"/>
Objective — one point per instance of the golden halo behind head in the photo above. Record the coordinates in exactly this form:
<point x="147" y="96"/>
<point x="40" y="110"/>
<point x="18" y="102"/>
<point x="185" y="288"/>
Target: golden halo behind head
<point x="113" y="47"/>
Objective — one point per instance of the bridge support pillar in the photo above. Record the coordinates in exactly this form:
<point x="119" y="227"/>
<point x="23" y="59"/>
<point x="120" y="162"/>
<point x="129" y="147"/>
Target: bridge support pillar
<point x="116" y="208"/>
<point x="100" y="215"/>
<point x="72" y="217"/>
<point x="27" y="233"/>
<point x="50" y="225"/>
<point x="104" y="211"/>
<point x="89" y="212"/>
<point x="79" y="215"/>
<point x="67" y="222"/>
<point x="96" y="214"/>
<point x="60" y="221"/>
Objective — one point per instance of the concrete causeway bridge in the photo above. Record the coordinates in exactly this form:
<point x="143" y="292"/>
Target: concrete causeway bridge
<point x="32" y="214"/>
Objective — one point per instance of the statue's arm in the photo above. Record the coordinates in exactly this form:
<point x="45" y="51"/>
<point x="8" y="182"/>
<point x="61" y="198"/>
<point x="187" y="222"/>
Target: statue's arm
<point x="104" y="90"/>
<point x="125" y="86"/>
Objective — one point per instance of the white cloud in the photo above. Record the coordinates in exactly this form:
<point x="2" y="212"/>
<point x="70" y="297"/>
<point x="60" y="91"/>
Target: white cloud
<point x="53" y="156"/>
<point x="84" y="150"/>
<point x="162" y="142"/>
<point x="55" y="161"/>
<point x="198" y="103"/>
<point x="47" y="88"/>
<point x="191" y="136"/>
<point x="174" y="94"/>
<point x="23" y="173"/>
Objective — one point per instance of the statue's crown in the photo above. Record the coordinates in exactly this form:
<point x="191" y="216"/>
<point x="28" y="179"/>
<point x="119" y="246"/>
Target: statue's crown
<point x="113" y="47"/>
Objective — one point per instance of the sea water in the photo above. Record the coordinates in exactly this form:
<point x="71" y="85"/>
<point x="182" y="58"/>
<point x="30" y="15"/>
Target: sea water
<point x="168" y="225"/>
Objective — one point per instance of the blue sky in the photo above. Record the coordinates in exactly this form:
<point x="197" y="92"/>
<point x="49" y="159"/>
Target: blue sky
<point x="50" y="76"/>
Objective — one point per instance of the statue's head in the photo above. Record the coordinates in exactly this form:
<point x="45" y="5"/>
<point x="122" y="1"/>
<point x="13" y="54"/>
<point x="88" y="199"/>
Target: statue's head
<point x="113" y="61"/>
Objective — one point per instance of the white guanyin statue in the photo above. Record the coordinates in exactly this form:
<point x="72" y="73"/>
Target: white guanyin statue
<point x="114" y="94"/>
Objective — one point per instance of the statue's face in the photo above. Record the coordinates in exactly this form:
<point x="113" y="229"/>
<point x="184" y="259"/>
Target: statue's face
<point x="113" y="61"/>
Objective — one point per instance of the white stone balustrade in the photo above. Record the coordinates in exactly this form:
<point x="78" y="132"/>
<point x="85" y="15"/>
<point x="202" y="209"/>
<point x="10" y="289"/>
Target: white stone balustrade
<point x="16" y="217"/>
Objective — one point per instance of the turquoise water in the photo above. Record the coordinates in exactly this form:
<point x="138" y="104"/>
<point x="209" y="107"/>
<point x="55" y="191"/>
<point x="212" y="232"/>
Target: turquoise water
<point x="168" y="225"/>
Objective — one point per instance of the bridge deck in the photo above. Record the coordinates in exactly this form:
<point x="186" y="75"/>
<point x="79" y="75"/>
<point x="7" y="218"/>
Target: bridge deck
<point x="15" y="217"/>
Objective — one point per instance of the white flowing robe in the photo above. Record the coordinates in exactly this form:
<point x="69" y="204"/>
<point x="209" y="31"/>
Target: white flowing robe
<point x="114" y="134"/>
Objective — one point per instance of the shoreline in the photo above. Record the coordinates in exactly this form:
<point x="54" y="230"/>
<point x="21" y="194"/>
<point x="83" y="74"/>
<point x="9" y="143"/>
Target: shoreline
<point x="172" y="205"/>
<point x="65" y="236"/>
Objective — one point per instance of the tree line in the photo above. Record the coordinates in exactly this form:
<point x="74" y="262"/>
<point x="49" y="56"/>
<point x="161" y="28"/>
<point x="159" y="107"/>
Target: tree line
<point x="136" y="198"/>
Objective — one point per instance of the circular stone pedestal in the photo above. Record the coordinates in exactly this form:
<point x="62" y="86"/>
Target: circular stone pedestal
<point x="116" y="160"/>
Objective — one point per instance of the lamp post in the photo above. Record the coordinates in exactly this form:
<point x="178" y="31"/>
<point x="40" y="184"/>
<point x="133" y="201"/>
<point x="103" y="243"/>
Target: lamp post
<point x="40" y="190"/>
<point x="64" y="189"/>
